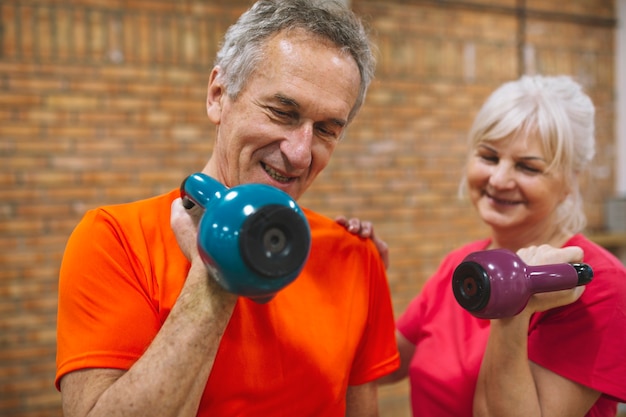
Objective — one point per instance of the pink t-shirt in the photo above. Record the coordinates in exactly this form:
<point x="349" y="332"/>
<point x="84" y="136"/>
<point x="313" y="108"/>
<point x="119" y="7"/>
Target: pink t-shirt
<point x="584" y="342"/>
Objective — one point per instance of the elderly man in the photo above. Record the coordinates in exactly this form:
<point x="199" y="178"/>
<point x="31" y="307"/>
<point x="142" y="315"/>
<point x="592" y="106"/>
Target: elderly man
<point x="143" y="330"/>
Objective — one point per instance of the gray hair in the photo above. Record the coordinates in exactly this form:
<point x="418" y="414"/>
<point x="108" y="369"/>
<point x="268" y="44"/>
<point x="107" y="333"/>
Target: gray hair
<point x="560" y="114"/>
<point x="242" y="48"/>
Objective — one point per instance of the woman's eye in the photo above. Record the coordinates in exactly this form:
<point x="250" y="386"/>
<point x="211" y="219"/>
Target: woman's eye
<point x="490" y="158"/>
<point x="530" y="169"/>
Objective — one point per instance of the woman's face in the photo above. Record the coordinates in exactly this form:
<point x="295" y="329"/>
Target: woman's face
<point x="510" y="188"/>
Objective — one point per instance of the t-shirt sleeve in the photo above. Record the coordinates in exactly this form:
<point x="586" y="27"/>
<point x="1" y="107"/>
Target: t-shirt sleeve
<point x="412" y="314"/>
<point x="409" y="322"/>
<point x="105" y="315"/>
<point x="377" y="353"/>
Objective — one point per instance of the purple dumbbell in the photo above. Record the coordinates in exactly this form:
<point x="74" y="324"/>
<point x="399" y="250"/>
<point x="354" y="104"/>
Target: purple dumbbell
<point x="497" y="283"/>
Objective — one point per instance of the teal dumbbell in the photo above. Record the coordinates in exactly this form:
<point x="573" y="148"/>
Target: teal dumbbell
<point x="253" y="238"/>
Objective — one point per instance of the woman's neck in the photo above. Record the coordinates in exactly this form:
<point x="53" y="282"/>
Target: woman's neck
<point x="515" y="240"/>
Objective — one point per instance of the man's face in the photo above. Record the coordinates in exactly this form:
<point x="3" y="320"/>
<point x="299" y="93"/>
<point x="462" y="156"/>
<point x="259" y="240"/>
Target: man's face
<point x="285" y="123"/>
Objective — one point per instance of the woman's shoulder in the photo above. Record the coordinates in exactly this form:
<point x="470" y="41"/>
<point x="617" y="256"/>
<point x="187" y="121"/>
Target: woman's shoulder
<point x="608" y="286"/>
<point x="596" y="255"/>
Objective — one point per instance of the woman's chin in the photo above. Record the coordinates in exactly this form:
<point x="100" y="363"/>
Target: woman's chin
<point x="496" y="220"/>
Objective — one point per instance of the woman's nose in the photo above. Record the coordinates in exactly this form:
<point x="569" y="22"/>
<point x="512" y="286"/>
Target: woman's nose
<point x="502" y="176"/>
<point x="297" y="146"/>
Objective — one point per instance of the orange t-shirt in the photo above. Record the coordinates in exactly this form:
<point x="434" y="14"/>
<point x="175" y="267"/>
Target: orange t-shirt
<point x="332" y="327"/>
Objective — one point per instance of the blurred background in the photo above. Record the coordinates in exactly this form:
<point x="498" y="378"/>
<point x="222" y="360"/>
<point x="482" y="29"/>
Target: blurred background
<point x="102" y="101"/>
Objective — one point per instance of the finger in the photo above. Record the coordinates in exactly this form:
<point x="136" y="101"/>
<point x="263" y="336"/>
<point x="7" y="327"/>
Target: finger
<point x="383" y="250"/>
<point x="187" y="203"/>
<point x="367" y="229"/>
<point x="354" y="226"/>
<point x="194" y="210"/>
<point x="571" y="254"/>
<point x="341" y="220"/>
<point x="549" y="300"/>
<point x="546" y="254"/>
<point x="177" y="207"/>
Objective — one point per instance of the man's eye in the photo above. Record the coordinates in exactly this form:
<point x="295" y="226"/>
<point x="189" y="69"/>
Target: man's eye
<point x="327" y="132"/>
<point x="280" y="113"/>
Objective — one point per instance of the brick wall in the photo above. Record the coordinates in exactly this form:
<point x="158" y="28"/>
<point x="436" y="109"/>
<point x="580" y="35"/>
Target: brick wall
<point x="103" y="102"/>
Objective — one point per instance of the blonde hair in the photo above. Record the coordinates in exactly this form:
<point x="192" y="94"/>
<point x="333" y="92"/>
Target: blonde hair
<point x="557" y="111"/>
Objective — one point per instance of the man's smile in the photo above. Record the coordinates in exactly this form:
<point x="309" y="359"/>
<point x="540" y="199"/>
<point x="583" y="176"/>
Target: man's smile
<point x="276" y="175"/>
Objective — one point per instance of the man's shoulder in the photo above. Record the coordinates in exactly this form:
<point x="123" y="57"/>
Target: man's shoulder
<point x="323" y="227"/>
<point x="154" y="202"/>
<point x="316" y="219"/>
<point x="140" y="214"/>
<point x="144" y="207"/>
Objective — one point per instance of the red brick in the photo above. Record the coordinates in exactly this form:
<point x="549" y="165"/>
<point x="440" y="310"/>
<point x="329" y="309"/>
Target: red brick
<point x="72" y="102"/>
<point x="44" y="117"/>
<point x="63" y="27"/>
<point x="78" y="32"/>
<point x="97" y="118"/>
<point x="17" y="100"/>
<point x="8" y="13"/>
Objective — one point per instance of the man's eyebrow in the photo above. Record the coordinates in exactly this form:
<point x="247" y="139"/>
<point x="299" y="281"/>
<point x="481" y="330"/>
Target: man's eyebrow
<point x="290" y="102"/>
<point x="339" y="122"/>
<point x="287" y="101"/>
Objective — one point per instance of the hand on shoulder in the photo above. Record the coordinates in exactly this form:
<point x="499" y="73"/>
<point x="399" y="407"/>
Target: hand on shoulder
<point x="365" y="229"/>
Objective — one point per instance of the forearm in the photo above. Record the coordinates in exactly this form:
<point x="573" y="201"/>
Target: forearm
<point x="169" y="378"/>
<point x="506" y="386"/>
<point x="362" y="400"/>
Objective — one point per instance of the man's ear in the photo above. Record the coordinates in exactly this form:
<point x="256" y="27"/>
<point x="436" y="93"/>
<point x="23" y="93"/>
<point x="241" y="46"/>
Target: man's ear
<point x="215" y="93"/>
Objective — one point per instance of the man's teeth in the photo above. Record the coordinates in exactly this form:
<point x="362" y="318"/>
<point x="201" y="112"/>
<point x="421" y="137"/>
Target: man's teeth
<point x="278" y="177"/>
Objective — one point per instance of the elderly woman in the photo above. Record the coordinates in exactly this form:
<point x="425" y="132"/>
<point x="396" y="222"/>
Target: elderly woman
<point x="565" y="353"/>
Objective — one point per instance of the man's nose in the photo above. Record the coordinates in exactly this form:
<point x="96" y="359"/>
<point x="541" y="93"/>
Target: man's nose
<point x="298" y="145"/>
